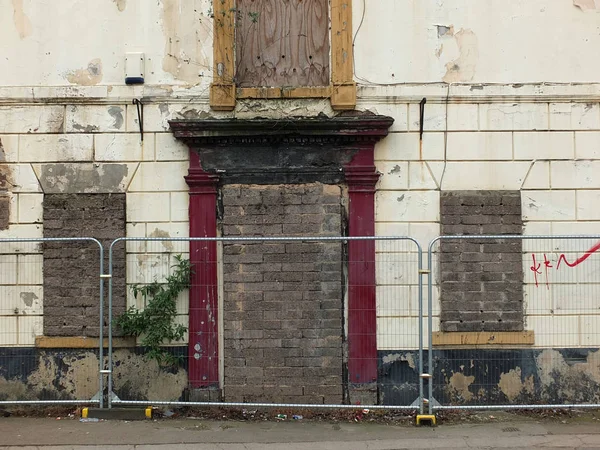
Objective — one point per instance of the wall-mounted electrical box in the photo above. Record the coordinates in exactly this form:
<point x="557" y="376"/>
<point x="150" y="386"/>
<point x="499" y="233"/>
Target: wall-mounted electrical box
<point x="135" y="68"/>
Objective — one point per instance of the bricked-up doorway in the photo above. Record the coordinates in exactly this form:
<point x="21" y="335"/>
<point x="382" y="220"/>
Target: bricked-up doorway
<point x="283" y="178"/>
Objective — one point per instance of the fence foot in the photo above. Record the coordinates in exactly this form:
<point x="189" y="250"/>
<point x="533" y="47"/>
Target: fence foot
<point x="117" y="413"/>
<point x="426" y="419"/>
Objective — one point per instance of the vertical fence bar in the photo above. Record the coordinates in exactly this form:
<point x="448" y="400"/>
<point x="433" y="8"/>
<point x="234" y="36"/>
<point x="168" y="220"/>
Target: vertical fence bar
<point x="101" y="332"/>
<point x="430" y="379"/>
<point x="420" y="290"/>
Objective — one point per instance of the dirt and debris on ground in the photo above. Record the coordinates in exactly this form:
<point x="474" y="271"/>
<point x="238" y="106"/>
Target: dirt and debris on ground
<point x="391" y="417"/>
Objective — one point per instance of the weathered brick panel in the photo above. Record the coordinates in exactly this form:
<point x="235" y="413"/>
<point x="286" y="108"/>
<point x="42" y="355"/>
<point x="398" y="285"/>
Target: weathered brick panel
<point x="71" y="270"/>
<point x="283" y="300"/>
<point x="481" y="280"/>
<point x="4" y="211"/>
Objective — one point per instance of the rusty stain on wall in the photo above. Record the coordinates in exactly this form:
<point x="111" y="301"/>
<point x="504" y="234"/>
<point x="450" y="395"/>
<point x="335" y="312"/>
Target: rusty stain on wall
<point x="89" y="76"/>
<point x="459" y="384"/>
<point x="121" y="4"/>
<point x="22" y="22"/>
<point x="463" y="68"/>
<point x="187" y="41"/>
<point x="586" y="5"/>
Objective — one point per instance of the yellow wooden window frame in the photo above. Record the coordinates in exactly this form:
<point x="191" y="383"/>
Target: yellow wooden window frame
<point x="341" y="91"/>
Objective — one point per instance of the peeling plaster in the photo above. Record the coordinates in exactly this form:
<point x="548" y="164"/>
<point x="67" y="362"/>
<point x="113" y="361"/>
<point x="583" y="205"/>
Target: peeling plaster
<point x="28" y="297"/>
<point x="74" y="375"/>
<point x="186" y="43"/>
<point x="2" y="153"/>
<point x="586" y="5"/>
<point x="117" y="113"/>
<point x="90" y="76"/>
<point x="22" y="22"/>
<point x="143" y="378"/>
<point x="445" y="30"/>
<point x="83" y="178"/>
<point x="408" y="357"/>
<point x="121" y="4"/>
<point x="459" y="386"/>
<point x="463" y="68"/>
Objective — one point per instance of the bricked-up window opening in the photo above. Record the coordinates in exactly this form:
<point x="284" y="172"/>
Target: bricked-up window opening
<point x="282" y="43"/>
<point x="71" y="281"/>
<point x="481" y="280"/>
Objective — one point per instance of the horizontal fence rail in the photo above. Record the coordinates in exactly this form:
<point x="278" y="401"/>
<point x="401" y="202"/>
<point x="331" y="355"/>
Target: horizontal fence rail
<point x="277" y="321"/>
<point x="527" y="310"/>
<point x="36" y="300"/>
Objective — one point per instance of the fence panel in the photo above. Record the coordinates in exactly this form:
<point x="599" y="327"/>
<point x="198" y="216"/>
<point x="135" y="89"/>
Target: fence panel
<point x="519" y="321"/>
<point x="41" y="316"/>
<point x="304" y="321"/>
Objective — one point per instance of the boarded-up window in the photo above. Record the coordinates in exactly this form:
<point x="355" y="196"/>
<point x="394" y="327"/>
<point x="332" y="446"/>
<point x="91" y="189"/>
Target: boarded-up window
<point x="282" y="43"/>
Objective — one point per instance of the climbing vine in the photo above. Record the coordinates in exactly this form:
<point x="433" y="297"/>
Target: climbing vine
<point x="155" y="324"/>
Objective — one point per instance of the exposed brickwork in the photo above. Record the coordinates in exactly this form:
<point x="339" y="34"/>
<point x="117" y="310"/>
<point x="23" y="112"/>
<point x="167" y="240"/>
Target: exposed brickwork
<point x="4" y="211"/>
<point x="71" y="270"/>
<point x="283" y="301"/>
<point x="481" y="280"/>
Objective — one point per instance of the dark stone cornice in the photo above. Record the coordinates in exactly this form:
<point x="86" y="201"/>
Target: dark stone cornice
<point x="266" y="151"/>
<point x="302" y="131"/>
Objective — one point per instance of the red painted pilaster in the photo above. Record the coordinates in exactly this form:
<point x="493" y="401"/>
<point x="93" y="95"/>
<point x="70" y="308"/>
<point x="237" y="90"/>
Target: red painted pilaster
<point x="203" y="347"/>
<point x="361" y="177"/>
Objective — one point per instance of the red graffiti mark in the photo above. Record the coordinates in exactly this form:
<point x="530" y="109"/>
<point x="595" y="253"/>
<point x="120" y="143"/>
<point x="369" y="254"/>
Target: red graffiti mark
<point x="546" y="266"/>
<point x="535" y="269"/>
<point x="579" y="260"/>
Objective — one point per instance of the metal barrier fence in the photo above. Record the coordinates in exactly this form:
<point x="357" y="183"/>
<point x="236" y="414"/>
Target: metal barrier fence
<point x="301" y="319"/>
<point x="35" y="301"/>
<point x="544" y="291"/>
<point x="313" y="322"/>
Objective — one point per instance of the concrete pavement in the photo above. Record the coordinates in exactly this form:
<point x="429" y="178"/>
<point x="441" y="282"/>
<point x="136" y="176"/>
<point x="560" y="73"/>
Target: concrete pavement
<point x="180" y="434"/>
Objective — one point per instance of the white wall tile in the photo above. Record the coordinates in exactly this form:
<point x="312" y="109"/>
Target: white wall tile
<point x="160" y="177"/>
<point x="420" y="176"/>
<point x="575" y="174"/>
<point x="434" y="117"/>
<point x="10" y="148"/>
<point x="123" y="147"/>
<point x="148" y="207"/>
<point x="587" y="205"/>
<point x="538" y="176"/>
<point x="31" y="208"/>
<point x="32" y="119"/>
<point x="95" y="118"/>
<point x="484" y="175"/>
<point x="574" y="116"/>
<point x="548" y="205"/>
<point x="55" y="147"/>
<point x="513" y="116"/>
<point x="463" y="116"/>
<point x="170" y="149"/>
<point x="394" y="175"/>
<point x="554" y="331"/>
<point x="180" y="204"/>
<point x="479" y="146"/>
<point x="406" y="147"/>
<point x="408" y="206"/>
<point x="587" y="144"/>
<point x="544" y="145"/>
